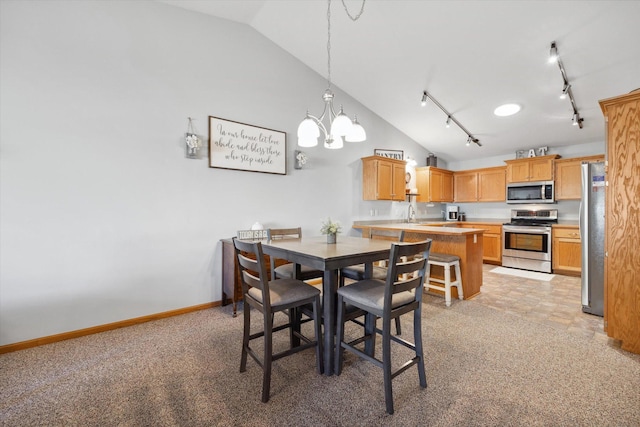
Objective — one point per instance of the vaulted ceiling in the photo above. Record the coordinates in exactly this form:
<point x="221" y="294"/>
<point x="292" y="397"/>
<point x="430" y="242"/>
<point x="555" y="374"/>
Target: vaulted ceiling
<point x="471" y="56"/>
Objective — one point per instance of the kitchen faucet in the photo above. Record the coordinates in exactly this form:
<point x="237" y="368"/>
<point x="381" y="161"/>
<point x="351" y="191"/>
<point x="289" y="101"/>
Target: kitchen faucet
<point x="411" y="215"/>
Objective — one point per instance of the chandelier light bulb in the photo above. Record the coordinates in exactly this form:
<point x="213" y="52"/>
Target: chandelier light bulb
<point x="341" y="125"/>
<point x="357" y="133"/>
<point x="334" y="142"/>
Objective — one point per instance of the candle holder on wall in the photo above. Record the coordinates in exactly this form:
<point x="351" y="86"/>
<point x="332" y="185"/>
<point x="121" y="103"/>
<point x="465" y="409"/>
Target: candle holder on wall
<point x="192" y="142"/>
<point x="300" y="159"/>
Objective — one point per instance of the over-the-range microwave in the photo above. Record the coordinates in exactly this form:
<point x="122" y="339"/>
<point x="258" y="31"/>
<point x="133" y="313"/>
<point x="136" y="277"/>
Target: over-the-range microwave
<point x="530" y="192"/>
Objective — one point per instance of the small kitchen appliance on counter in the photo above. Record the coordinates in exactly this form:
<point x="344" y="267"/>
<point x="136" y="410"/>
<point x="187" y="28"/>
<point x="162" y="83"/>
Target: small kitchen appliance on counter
<point x="452" y="213"/>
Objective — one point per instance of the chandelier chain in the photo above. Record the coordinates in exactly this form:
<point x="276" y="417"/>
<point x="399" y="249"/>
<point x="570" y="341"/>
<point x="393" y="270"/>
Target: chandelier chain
<point x="329" y="43"/>
<point x="349" y="14"/>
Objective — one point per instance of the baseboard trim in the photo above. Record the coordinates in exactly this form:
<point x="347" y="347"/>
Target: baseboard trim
<point x="103" y="328"/>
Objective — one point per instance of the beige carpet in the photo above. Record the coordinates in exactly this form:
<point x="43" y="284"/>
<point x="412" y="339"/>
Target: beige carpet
<point x="484" y="367"/>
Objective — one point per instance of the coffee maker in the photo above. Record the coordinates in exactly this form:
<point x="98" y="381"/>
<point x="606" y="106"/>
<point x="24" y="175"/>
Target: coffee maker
<point x="452" y="213"/>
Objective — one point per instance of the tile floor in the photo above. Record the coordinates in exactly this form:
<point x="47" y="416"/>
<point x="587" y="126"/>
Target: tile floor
<point x="556" y="302"/>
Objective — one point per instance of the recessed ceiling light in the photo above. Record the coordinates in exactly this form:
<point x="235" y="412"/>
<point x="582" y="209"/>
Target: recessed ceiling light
<point x="506" y="110"/>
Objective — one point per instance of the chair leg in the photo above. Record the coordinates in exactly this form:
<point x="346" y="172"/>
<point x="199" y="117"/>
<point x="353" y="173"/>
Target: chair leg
<point x="398" y="327"/>
<point x="427" y="273"/>
<point x="339" y="337"/>
<point x="245" y="336"/>
<point x="447" y="285"/>
<point x="417" y="336"/>
<point x="267" y="359"/>
<point x="386" y="363"/>
<point x="370" y="331"/>
<point x="316" y="322"/>
<point x="459" y="279"/>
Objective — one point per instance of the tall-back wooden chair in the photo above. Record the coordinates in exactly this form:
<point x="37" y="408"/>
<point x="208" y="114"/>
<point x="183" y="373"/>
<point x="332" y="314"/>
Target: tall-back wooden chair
<point x="270" y="297"/>
<point x="398" y="294"/>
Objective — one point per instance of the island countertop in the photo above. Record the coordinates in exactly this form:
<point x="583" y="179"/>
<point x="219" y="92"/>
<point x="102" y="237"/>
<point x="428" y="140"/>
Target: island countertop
<point x="463" y="242"/>
<point x="426" y="227"/>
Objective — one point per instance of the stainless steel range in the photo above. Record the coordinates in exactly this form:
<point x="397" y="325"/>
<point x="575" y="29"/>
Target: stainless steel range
<point x="527" y="239"/>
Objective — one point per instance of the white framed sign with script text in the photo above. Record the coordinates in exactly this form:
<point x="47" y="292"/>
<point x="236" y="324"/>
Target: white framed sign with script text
<point x="234" y="145"/>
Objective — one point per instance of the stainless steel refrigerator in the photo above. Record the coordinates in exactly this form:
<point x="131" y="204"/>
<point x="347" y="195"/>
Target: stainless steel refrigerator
<point x="592" y="237"/>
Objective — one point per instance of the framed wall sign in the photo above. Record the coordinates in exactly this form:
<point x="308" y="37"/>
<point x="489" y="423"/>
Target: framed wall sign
<point x="234" y="145"/>
<point x="390" y="154"/>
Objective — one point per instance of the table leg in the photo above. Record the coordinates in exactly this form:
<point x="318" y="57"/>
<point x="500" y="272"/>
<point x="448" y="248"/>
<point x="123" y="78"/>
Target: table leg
<point x="329" y="295"/>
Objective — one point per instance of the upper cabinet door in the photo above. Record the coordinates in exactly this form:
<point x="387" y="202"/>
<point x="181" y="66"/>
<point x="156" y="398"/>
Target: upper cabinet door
<point x="531" y="169"/>
<point x="434" y="185"/>
<point x="383" y="179"/>
<point x="568" y="178"/>
<point x="465" y="185"/>
<point x="492" y="184"/>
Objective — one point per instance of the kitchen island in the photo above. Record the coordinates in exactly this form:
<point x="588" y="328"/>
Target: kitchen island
<point x="464" y="242"/>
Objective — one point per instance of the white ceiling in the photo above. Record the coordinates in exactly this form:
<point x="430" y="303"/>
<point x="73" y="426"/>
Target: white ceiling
<point x="470" y="55"/>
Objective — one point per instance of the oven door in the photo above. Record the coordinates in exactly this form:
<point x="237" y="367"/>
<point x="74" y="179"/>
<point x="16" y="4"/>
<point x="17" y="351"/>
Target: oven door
<point x="527" y="242"/>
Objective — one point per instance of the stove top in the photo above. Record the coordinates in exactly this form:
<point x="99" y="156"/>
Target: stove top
<point x="541" y="218"/>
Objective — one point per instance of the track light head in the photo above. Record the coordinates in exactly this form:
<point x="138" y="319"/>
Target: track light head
<point x="424" y="99"/>
<point x="553" y="53"/>
<point x="565" y="91"/>
<point x="448" y="124"/>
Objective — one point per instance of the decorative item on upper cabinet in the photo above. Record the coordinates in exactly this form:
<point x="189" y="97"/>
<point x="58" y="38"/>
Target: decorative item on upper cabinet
<point x="300" y="159"/>
<point x="192" y="142"/>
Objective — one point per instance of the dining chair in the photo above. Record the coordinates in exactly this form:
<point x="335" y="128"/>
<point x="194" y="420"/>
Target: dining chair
<point x="270" y="297"/>
<point x="285" y="271"/>
<point x="357" y="272"/>
<point x="398" y="294"/>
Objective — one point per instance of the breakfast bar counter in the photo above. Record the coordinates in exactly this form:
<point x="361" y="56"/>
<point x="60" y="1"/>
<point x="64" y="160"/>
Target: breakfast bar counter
<point x="463" y="242"/>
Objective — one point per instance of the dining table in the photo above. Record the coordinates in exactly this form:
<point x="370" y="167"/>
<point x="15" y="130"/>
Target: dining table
<point x="316" y="253"/>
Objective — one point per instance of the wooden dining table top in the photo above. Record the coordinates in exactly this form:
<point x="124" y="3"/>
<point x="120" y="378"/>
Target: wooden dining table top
<point x="317" y="253"/>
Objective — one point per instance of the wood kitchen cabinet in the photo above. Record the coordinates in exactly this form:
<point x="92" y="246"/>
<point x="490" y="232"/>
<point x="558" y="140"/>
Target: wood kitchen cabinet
<point x="383" y="178"/>
<point x="622" y="225"/>
<point x="491" y="241"/>
<point x="480" y="185"/>
<point x="465" y="186"/>
<point x="531" y="169"/>
<point x="566" y="250"/>
<point x="568" y="181"/>
<point x="434" y="185"/>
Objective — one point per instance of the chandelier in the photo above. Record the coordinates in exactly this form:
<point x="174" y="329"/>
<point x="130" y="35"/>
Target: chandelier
<point x="340" y="127"/>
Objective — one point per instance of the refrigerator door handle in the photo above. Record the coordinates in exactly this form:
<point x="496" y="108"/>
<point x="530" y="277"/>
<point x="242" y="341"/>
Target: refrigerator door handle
<point x="583" y="226"/>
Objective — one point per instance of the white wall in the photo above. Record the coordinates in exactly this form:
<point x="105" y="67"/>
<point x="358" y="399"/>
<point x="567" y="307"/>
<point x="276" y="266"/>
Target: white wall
<point x="102" y="218"/>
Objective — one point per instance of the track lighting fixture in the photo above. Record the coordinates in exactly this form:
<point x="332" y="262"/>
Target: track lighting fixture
<point x="566" y="90"/>
<point x="450" y="118"/>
